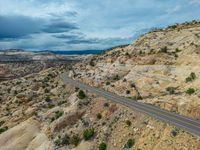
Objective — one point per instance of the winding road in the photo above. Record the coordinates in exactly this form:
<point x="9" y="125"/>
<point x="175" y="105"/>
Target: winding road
<point x="190" y="125"/>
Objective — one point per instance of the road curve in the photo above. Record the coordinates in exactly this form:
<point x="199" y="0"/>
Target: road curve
<point x="188" y="124"/>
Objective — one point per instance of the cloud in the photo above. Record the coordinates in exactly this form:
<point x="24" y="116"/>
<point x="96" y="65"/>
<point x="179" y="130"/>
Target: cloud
<point x="196" y="2"/>
<point x="81" y="24"/>
<point x="18" y="26"/>
<point x="59" y="27"/>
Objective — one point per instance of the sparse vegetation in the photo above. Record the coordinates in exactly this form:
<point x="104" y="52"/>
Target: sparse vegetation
<point x="66" y="140"/>
<point x="88" y="134"/>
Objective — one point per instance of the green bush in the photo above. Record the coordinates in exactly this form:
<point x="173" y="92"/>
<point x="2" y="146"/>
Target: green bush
<point x="3" y="129"/>
<point x="191" y="78"/>
<point x="178" y="50"/>
<point x="47" y="99"/>
<point x="74" y="140"/>
<point x="58" y="114"/>
<point x="102" y="146"/>
<point x="99" y="116"/>
<point x="107" y="83"/>
<point x="92" y="63"/>
<point x="188" y="79"/>
<point x="190" y="91"/>
<point x="129" y="143"/>
<point x="106" y="105"/>
<point x="128" y="91"/>
<point x="116" y="77"/>
<point x="88" y="134"/>
<point x="1" y="123"/>
<point x="65" y="140"/>
<point x="81" y="94"/>
<point x="128" y="122"/>
<point x="164" y="49"/>
<point x="58" y="142"/>
<point x="170" y="89"/>
<point x="174" y="132"/>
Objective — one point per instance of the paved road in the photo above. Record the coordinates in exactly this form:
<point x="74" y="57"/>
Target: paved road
<point x="188" y="124"/>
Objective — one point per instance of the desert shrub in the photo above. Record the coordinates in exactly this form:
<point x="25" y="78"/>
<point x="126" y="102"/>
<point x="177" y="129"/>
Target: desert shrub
<point x="92" y="63"/>
<point x="47" y="99"/>
<point x="170" y="89"/>
<point x="124" y="80"/>
<point x="74" y="140"/>
<point x="129" y="143"/>
<point x="191" y="78"/>
<point x="102" y="146"/>
<point x="35" y="113"/>
<point x="128" y="91"/>
<point x="81" y="94"/>
<point x="88" y="134"/>
<point x="106" y="105"/>
<point x="3" y="129"/>
<point x="76" y="89"/>
<point x="1" y="123"/>
<point x="193" y="75"/>
<point x="57" y="142"/>
<point x="46" y="90"/>
<point x="58" y="114"/>
<point x="128" y="122"/>
<point x="116" y="77"/>
<point x="164" y="49"/>
<point x="65" y="140"/>
<point x="178" y="50"/>
<point x="174" y="132"/>
<point x="107" y="83"/>
<point x="190" y="91"/>
<point x="133" y="85"/>
<point x="99" y="116"/>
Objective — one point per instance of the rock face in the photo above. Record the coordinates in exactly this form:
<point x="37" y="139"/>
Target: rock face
<point x="39" y="112"/>
<point x="145" y="69"/>
<point x="26" y="135"/>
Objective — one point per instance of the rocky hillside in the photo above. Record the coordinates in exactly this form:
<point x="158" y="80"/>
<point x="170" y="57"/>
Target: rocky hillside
<point x="39" y="112"/>
<point x="160" y="68"/>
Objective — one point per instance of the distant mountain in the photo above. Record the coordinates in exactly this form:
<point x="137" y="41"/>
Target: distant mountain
<point x="75" y="52"/>
<point x="69" y="52"/>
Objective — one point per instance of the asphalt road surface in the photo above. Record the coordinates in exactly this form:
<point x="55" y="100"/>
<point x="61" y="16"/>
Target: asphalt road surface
<point x="190" y="125"/>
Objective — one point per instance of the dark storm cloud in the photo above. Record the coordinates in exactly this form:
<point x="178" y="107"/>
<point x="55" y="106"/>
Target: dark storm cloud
<point x="59" y="27"/>
<point x="19" y="27"/>
<point x="12" y="27"/>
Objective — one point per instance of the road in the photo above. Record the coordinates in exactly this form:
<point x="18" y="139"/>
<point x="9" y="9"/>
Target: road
<point x="188" y="124"/>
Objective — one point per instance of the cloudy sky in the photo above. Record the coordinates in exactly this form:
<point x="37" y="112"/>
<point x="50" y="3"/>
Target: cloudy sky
<point x="86" y="24"/>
